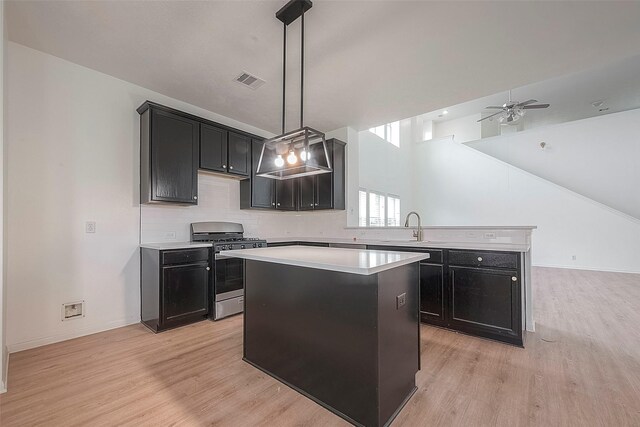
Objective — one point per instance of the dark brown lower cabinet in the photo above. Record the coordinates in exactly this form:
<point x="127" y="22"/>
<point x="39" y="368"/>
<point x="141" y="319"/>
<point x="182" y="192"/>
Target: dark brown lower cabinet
<point x="476" y="292"/>
<point x="432" y="293"/>
<point x="486" y="302"/>
<point x="175" y="287"/>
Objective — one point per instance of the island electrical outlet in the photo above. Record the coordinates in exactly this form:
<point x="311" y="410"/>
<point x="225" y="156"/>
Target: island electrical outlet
<point x="401" y="300"/>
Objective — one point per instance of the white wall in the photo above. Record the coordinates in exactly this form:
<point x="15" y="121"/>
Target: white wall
<point x="4" y="356"/>
<point x="73" y="156"/>
<point x="463" y="129"/>
<point x="467" y="187"/>
<point x="596" y="157"/>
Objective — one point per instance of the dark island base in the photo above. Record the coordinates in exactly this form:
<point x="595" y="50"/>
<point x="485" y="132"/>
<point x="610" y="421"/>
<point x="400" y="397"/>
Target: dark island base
<point x="344" y="340"/>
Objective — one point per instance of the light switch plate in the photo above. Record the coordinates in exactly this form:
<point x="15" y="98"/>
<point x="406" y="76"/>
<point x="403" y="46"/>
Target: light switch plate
<point x="401" y="300"/>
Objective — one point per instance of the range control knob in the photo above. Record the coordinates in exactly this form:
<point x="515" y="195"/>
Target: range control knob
<point x="241" y="246"/>
<point x="255" y="245"/>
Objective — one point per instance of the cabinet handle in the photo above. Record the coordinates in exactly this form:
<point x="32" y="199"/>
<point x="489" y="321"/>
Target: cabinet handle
<point x="316" y="204"/>
<point x="514" y="279"/>
<point x="208" y="268"/>
<point x="278" y="204"/>
<point x="230" y="167"/>
<point x="273" y="204"/>
<point x="224" y="166"/>
<point x="195" y="197"/>
<point x="480" y="259"/>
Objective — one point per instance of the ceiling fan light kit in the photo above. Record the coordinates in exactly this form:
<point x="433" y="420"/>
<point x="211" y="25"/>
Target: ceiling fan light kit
<point x="301" y="152"/>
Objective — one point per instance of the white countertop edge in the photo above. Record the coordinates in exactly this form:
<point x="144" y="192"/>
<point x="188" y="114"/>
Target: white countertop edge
<point x="505" y="247"/>
<point x="452" y="227"/>
<point x="254" y="255"/>
<point x="176" y="245"/>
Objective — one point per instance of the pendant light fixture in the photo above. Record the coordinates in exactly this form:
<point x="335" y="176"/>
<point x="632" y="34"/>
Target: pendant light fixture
<point x="301" y="152"/>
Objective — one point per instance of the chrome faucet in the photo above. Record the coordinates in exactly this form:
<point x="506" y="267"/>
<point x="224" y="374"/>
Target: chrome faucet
<point x="417" y="234"/>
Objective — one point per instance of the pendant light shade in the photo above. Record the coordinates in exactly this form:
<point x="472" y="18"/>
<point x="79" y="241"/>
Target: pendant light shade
<point x="302" y="152"/>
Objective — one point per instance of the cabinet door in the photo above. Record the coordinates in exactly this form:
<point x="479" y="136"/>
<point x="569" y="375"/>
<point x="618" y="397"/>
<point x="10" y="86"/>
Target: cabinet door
<point x="286" y="195"/>
<point x="213" y="148"/>
<point x="239" y="153"/>
<point x="486" y="302"/>
<point x="174" y="158"/>
<point x="185" y="291"/>
<point x="306" y="193"/>
<point x="323" y="182"/>
<point x="338" y="153"/>
<point x="263" y="190"/>
<point x="324" y="191"/>
<point x="432" y="293"/>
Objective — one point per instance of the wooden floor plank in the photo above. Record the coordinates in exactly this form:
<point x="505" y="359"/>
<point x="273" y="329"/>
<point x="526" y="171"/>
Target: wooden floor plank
<point x="581" y="368"/>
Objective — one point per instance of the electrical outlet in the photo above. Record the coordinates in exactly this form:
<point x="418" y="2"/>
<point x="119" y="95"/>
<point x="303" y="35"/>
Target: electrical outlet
<point x="471" y="235"/>
<point x="489" y="235"/>
<point x="401" y="300"/>
<point x="170" y="235"/>
<point x="573" y="257"/>
<point x="72" y="310"/>
<point x="90" y="227"/>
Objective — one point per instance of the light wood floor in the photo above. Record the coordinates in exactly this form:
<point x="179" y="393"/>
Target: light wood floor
<point x="581" y="368"/>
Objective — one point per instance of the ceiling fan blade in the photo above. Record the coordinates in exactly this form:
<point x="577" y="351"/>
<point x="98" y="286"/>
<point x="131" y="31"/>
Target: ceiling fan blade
<point x="531" y="101"/>
<point x="493" y="106"/>
<point x="488" y="117"/>
<point x="528" y="107"/>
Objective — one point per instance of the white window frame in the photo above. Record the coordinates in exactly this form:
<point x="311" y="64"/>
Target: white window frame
<point x="386" y="132"/>
<point x="386" y="197"/>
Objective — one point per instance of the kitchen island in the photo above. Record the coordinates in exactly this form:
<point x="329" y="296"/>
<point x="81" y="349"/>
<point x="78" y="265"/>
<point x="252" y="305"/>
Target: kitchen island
<point x="340" y="326"/>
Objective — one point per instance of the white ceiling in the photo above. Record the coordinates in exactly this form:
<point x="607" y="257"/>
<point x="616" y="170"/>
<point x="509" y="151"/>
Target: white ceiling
<point x="367" y="62"/>
<point x="571" y="96"/>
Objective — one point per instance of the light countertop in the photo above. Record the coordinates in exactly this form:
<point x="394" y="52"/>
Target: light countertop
<point x="355" y="261"/>
<point x="176" y="245"/>
<point x="509" y="247"/>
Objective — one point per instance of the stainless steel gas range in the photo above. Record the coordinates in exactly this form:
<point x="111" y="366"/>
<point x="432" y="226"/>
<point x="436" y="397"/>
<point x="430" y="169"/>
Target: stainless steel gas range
<point x="228" y="275"/>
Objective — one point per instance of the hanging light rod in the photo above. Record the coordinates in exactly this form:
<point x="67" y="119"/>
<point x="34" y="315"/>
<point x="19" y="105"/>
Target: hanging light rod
<point x="304" y="149"/>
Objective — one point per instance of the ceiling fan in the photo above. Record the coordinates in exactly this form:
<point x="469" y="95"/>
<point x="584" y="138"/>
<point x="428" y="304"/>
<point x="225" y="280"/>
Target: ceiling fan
<point x="512" y="111"/>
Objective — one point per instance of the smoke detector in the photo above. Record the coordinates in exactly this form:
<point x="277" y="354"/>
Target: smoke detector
<point x="249" y="80"/>
<point x="599" y="105"/>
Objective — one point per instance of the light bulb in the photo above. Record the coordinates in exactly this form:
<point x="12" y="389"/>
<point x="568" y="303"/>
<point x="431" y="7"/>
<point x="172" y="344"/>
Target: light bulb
<point x="279" y="161"/>
<point x="291" y="158"/>
<point x="303" y="155"/>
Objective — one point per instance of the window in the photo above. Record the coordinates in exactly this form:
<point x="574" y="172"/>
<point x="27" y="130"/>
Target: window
<point x="389" y="132"/>
<point x="362" y="214"/>
<point x="393" y="211"/>
<point x="378" y="210"/>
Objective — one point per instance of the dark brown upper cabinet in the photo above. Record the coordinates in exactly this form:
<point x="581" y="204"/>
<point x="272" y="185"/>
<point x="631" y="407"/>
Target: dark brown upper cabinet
<point x="223" y="151"/>
<point x="239" y="154"/>
<point x="325" y="191"/>
<point x="286" y="199"/>
<point x="213" y="148"/>
<point x="169" y="153"/>
<point x="175" y="144"/>
<point x="257" y="192"/>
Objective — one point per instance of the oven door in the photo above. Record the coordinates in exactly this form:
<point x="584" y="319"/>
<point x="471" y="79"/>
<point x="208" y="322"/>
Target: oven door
<point x="229" y="282"/>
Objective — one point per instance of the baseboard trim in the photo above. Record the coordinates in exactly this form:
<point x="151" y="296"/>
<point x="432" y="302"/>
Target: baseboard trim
<point x="579" y="267"/>
<point x="39" y="342"/>
<point x="4" y="381"/>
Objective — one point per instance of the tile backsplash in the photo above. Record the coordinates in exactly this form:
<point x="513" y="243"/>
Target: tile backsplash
<point x="219" y="200"/>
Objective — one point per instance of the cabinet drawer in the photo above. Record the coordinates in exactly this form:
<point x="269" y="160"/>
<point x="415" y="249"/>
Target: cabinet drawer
<point x="435" y="255"/>
<point x="484" y="259"/>
<point x="184" y="256"/>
